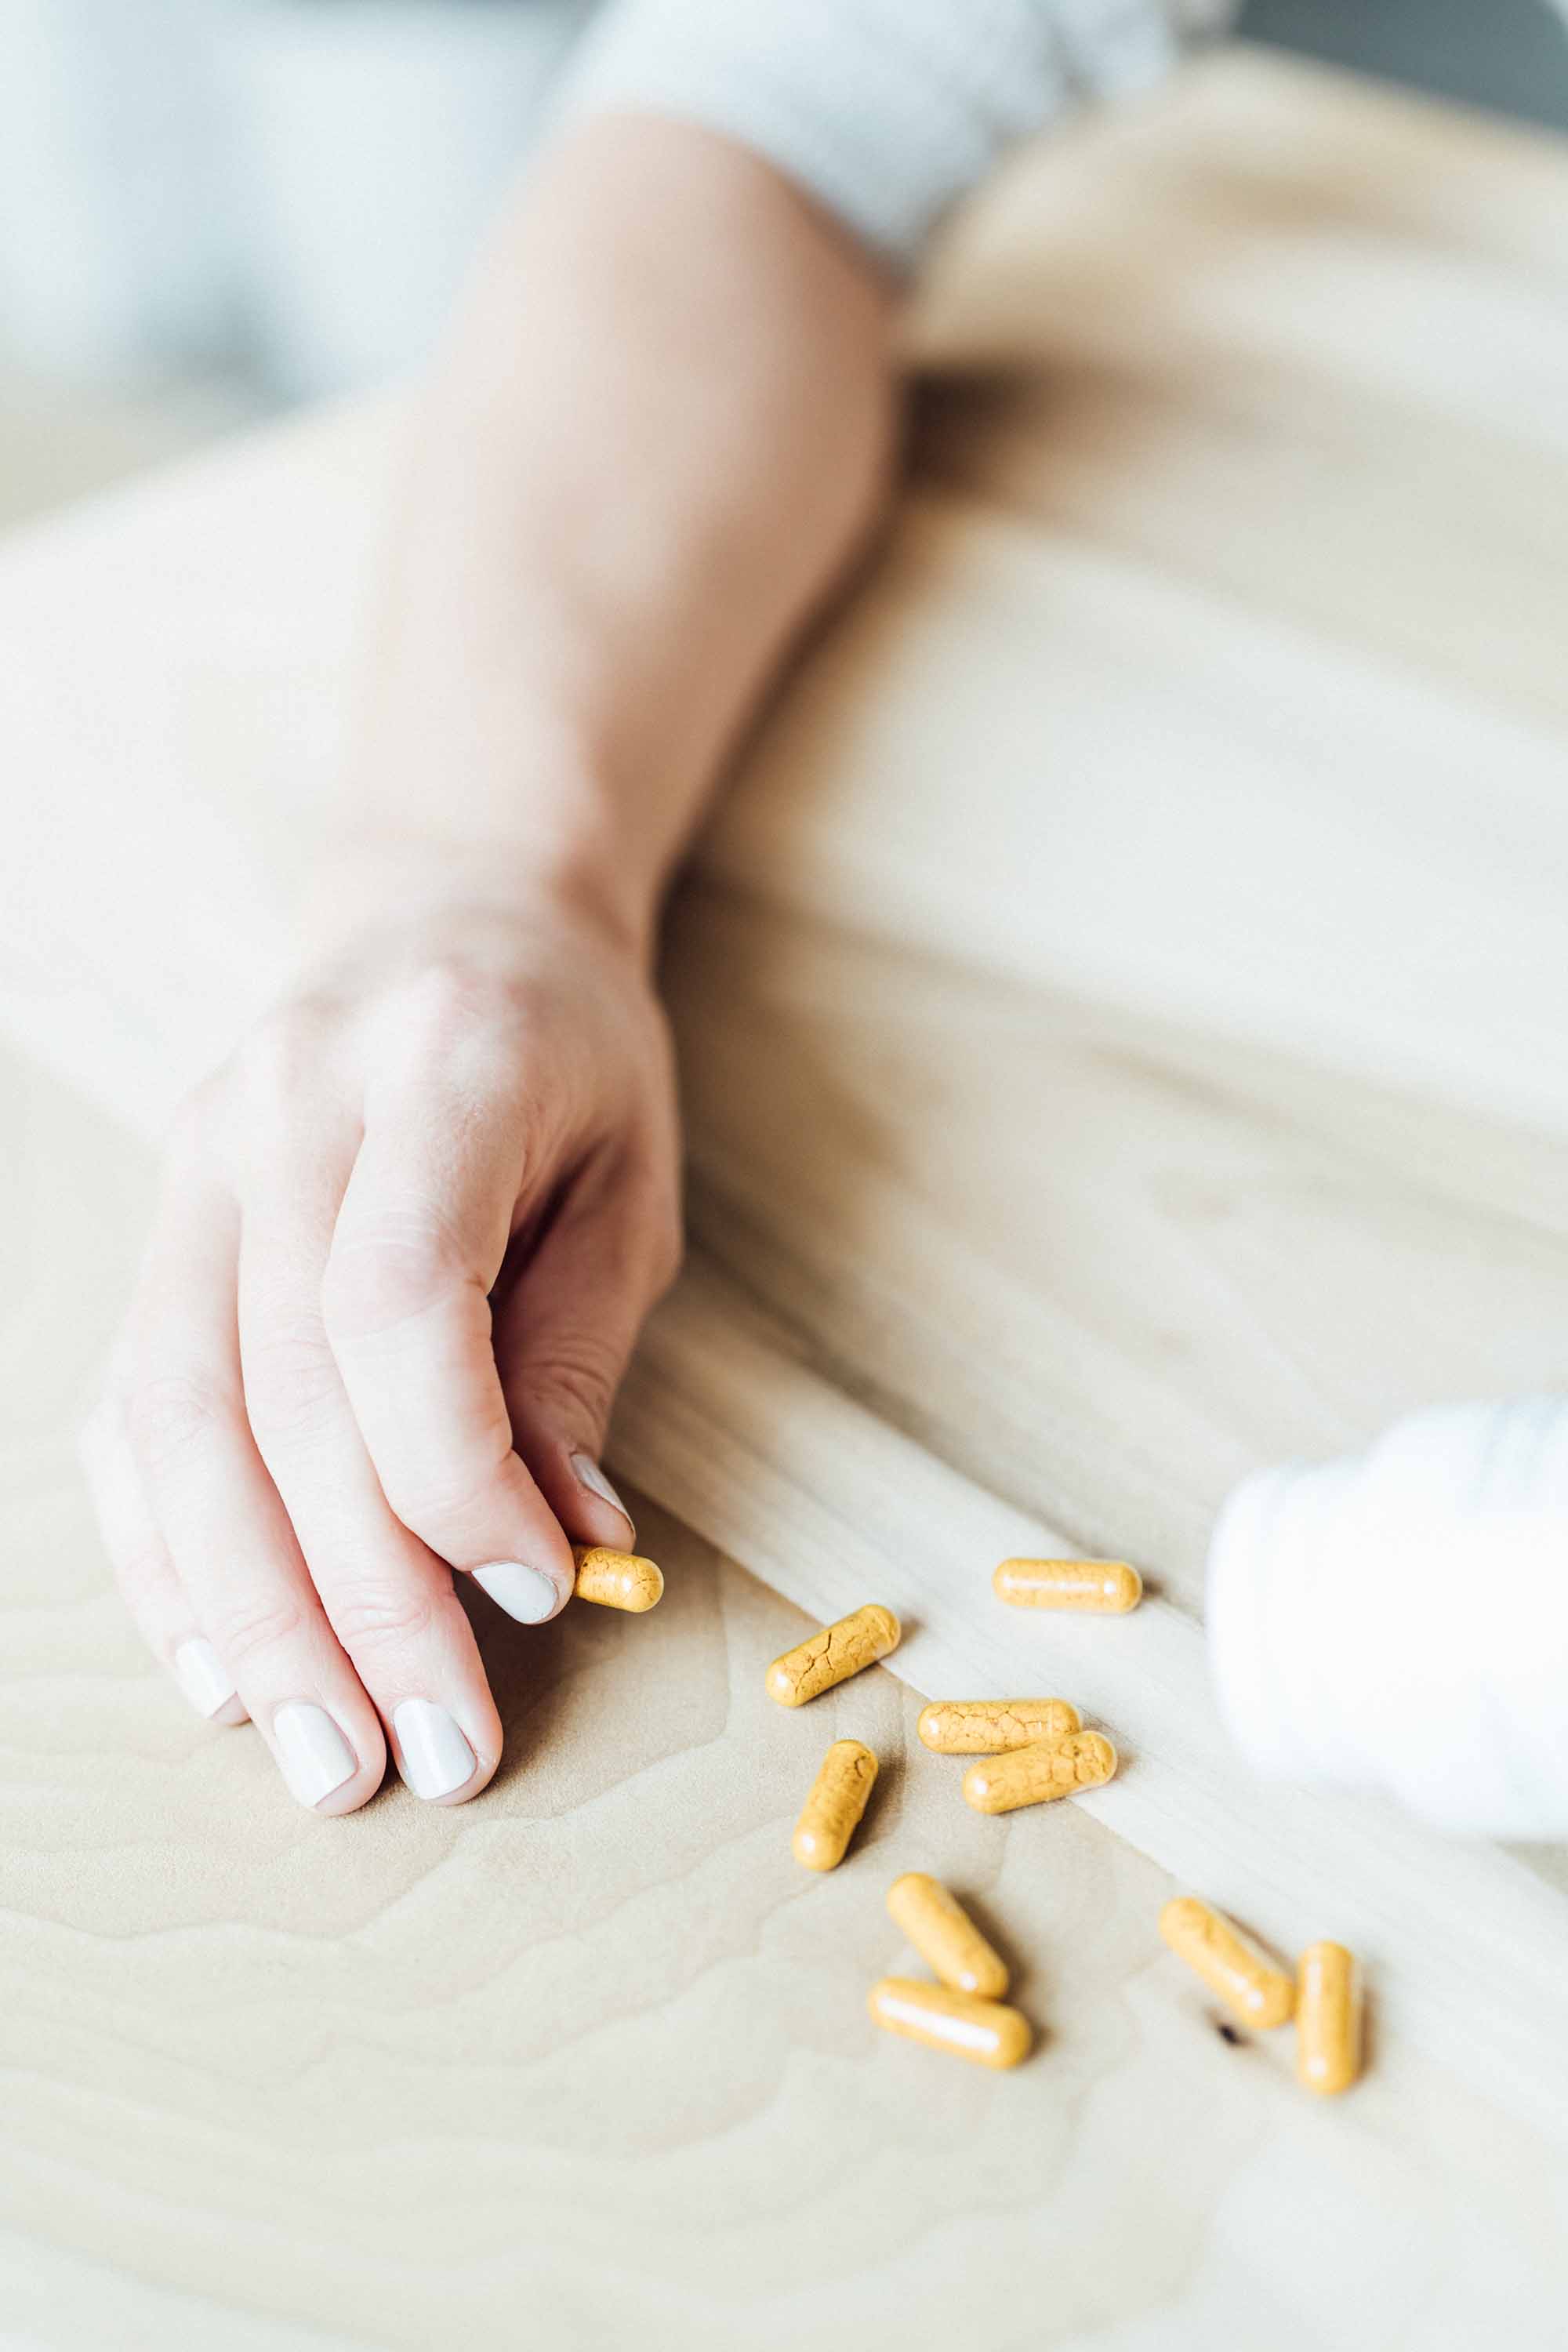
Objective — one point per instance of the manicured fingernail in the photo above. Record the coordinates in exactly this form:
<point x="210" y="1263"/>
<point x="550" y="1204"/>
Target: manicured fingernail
<point x="525" y="1593"/>
<point x="315" y="1757"/>
<point x="202" y="1675"/>
<point x="434" y="1758"/>
<point x="588" y="1474"/>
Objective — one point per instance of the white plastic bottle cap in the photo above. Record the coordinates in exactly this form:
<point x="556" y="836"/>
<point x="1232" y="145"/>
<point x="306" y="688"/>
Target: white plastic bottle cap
<point x="1399" y="1619"/>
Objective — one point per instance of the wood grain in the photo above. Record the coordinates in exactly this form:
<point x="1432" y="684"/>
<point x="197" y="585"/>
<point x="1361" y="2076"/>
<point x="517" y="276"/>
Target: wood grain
<point x="1233" y="576"/>
<point x="596" y="2051"/>
<point x="1118" y="1049"/>
<point x="829" y="1502"/>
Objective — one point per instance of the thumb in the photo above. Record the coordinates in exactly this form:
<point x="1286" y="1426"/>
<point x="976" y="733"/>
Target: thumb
<point x="566" y="1333"/>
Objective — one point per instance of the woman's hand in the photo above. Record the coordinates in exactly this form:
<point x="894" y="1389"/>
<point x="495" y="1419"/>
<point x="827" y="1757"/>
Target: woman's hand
<point x="408" y="1235"/>
<point x="406" y="1238"/>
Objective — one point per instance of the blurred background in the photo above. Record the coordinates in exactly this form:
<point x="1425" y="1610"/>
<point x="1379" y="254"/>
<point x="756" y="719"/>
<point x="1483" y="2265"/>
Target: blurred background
<point x="211" y="209"/>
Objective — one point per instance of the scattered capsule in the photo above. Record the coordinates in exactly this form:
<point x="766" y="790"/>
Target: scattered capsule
<point x="946" y="1937"/>
<point x="1109" y="1587"/>
<point x="833" y="1654"/>
<point x="1040" y="1774"/>
<point x="616" y="1579"/>
<point x="985" y="1726"/>
<point x="1229" y="1963"/>
<point x="831" y="1814"/>
<point x="986" y="2031"/>
<point x="1327" y="2019"/>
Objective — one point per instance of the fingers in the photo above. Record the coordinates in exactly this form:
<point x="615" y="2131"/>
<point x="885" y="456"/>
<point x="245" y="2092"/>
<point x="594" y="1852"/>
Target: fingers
<point x="387" y="1598"/>
<point x="144" y="1573"/>
<point x="220" y="1519"/>
<point x="419" y="1241"/>
<point x="567" y="1330"/>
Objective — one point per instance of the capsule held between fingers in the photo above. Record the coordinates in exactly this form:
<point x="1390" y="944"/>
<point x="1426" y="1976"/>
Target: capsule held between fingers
<point x="946" y="1937"/>
<point x="1327" y="2019"/>
<point x="831" y="1814"/>
<point x="833" y="1654"/>
<point x="1040" y="1774"/>
<point x="1105" y="1587"/>
<point x="985" y="1726"/>
<point x="985" y="2031"/>
<point x="1230" y="1964"/>
<point x="616" y="1579"/>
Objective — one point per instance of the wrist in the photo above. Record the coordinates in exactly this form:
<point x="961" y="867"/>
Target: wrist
<point x="465" y="786"/>
<point x="496" y="822"/>
<point x="430" y="888"/>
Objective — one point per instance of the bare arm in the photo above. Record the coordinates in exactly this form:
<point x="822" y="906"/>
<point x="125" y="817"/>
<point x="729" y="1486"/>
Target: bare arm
<point x="663" y="424"/>
<point x="409" y="1232"/>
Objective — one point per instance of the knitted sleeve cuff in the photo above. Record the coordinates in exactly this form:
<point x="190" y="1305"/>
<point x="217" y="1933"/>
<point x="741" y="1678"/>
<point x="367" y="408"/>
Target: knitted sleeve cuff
<point x="884" y="110"/>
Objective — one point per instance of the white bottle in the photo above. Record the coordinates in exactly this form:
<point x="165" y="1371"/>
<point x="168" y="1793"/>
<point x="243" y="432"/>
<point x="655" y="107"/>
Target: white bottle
<point x="1398" y="1620"/>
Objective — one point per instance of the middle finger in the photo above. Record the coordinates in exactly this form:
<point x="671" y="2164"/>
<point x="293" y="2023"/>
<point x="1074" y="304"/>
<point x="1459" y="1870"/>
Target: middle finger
<point x="387" y="1598"/>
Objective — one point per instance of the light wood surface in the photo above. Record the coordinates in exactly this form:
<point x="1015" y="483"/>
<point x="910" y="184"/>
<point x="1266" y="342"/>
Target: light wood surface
<point x="1019" y="1205"/>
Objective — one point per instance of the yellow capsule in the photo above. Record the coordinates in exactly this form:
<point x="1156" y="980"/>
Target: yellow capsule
<point x="1327" y="2019"/>
<point x="984" y="2030"/>
<point x="985" y="1726"/>
<point x="616" y="1579"/>
<point x="1039" y="1775"/>
<point x="833" y="1654"/>
<point x="1229" y="1963"/>
<point x="831" y="1814"/>
<point x="946" y="1937"/>
<point x="1105" y="1586"/>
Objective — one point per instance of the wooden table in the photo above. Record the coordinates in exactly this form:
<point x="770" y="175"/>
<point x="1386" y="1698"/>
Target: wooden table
<point x="1119" y="1047"/>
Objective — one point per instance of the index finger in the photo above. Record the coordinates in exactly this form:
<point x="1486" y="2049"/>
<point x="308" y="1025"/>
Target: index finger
<point x="419" y="1242"/>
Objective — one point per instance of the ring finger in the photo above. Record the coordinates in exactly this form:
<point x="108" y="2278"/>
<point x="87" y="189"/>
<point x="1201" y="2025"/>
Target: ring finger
<point x="220" y="1517"/>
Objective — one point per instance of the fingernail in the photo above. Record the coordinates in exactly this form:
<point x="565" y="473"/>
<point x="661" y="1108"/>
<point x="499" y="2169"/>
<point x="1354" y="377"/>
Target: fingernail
<point x="315" y="1757"/>
<point x="525" y="1593"/>
<point x="435" y="1757"/>
<point x="202" y="1675"/>
<point x="588" y="1474"/>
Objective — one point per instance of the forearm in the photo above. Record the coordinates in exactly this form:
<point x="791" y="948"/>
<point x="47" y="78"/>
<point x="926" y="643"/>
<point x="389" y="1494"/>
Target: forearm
<point x="661" y="427"/>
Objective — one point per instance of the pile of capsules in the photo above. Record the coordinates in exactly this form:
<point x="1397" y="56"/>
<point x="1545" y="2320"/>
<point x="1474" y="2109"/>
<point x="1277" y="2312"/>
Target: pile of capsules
<point x="1030" y="1751"/>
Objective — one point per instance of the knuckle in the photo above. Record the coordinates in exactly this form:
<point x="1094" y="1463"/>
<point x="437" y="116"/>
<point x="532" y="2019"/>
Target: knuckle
<point x="436" y="1506"/>
<point x="375" y="1616"/>
<point x="574" y="1383"/>
<point x="250" y="1624"/>
<point x="292" y="1386"/>
<point x="450" y="997"/>
<point x="438" y="1498"/>
<point x="457" y="1029"/>
<point x="386" y="1272"/>
<point x="169" y="1413"/>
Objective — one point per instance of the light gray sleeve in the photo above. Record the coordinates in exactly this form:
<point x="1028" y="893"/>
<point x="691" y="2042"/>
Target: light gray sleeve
<point x="885" y="111"/>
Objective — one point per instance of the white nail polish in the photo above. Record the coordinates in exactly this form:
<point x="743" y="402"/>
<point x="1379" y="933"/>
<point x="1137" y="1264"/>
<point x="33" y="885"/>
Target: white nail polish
<point x="525" y="1593"/>
<point x="435" y="1757"/>
<point x="315" y="1757"/>
<point x="201" y="1674"/>
<point x="588" y="1474"/>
